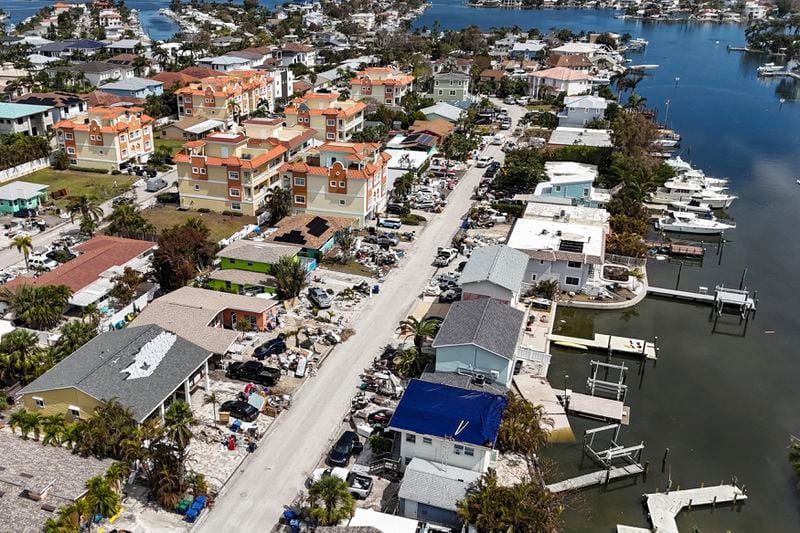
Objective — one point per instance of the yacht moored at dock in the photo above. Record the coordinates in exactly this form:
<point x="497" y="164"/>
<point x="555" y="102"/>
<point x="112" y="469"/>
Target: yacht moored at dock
<point x="685" y="222"/>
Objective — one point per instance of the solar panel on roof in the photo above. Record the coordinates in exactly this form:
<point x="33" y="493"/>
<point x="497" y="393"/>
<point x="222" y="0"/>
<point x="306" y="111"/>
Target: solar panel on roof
<point x="317" y="226"/>
<point x="570" y="246"/>
<point x="294" y="237"/>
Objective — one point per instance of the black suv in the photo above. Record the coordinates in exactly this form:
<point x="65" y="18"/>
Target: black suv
<point x="239" y="409"/>
<point x="271" y="347"/>
<point x="347" y="445"/>
<point x="254" y="372"/>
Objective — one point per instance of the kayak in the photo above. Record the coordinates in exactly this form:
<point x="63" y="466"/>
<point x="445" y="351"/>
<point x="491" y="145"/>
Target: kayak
<point x="567" y="344"/>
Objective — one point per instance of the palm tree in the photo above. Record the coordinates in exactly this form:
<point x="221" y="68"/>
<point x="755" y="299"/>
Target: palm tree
<point x="38" y="307"/>
<point x="345" y="240"/>
<point x="86" y="208"/>
<point x="17" y="420"/>
<point x="409" y="363"/>
<point x="32" y="422"/>
<point x="19" y="355"/>
<point x="331" y="501"/>
<point x="421" y="330"/>
<point x="116" y="473"/>
<point x="279" y="203"/>
<point x="24" y="245"/>
<point x="177" y="421"/>
<point x="213" y="399"/>
<point x="290" y="277"/>
<point x="53" y="428"/>
<point x="403" y="185"/>
<point x="101" y="497"/>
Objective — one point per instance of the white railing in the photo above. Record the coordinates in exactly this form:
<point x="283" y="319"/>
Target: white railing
<point x="540" y="361"/>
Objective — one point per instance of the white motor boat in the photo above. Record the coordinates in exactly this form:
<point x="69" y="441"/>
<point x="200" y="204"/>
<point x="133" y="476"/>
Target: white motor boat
<point x="686" y="190"/>
<point x="692" y="205"/>
<point x="715" y="199"/>
<point x="683" y="222"/>
<point x="769" y="68"/>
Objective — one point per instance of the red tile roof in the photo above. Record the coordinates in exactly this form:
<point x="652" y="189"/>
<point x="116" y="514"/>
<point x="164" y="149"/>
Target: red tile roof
<point x="99" y="254"/>
<point x="172" y="79"/>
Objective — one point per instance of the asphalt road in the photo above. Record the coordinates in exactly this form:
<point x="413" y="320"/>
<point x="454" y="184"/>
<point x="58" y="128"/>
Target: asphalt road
<point x="253" y="499"/>
<point x="10" y="256"/>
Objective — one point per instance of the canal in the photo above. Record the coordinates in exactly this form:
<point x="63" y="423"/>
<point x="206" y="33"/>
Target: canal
<point x="724" y="403"/>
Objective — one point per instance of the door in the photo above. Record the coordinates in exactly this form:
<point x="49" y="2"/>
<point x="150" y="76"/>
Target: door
<point x="234" y="320"/>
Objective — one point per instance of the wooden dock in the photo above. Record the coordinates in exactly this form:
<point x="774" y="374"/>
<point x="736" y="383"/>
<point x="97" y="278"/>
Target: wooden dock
<point x="681" y="295"/>
<point x="611" y="343"/>
<point x="596" y="478"/>
<point x="682" y="250"/>
<point x="595" y="407"/>
<point x="664" y="507"/>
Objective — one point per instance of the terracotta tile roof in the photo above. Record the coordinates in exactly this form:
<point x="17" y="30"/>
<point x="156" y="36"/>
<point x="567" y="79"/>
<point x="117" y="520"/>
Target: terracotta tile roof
<point x="440" y="127"/>
<point x="301" y="86"/>
<point x="173" y="79"/>
<point x="561" y="74"/>
<point x="296" y="47"/>
<point x="569" y="61"/>
<point x="199" y="72"/>
<point x="98" y="255"/>
<point x="102" y="98"/>
<point x="494" y="74"/>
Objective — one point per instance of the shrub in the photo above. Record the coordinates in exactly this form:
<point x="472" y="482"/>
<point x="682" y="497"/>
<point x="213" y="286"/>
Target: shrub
<point x="87" y="169"/>
<point x="115" y="172"/>
<point x="204" y="210"/>
<point x="412" y="219"/>
<point x="380" y="444"/>
<point x="514" y="210"/>
<point x="227" y="213"/>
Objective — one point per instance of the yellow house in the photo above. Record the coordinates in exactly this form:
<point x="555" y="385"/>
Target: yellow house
<point x="145" y="368"/>
<point x="226" y="97"/>
<point x="331" y="118"/>
<point x="107" y="137"/>
<point x="341" y="179"/>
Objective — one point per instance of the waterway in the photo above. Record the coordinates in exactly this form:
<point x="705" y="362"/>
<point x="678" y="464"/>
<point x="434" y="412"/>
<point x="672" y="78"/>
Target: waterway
<point x="723" y="402"/>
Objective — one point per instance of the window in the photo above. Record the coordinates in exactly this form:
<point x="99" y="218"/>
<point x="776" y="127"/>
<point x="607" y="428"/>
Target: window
<point x="233" y="176"/>
<point x="123" y="138"/>
<point x="342" y="184"/>
<point x="238" y="207"/>
<point x="558" y="188"/>
<point x="124" y="153"/>
<point x="574" y="264"/>
<point x="187" y="99"/>
<point x="469" y="452"/>
<point x="452" y="92"/>
<point x="410" y="437"/>
<point x="195" y="170"/>
<point x="197" y="187"/>
<point x="586" y="192"/>
<point x="147" y="145"/>
<point x="533" y="277"/>
<point x="333" y="184"/>
<point x="75" y="411"/>
<point x="330" y="136"/>
<point x="341" y="202"/>
<point x="299" y="199"/>
<point x="236" y="193"/>
<point x="73" y="161"/>
<point x="202" y="170"/>
<point x="39" y="402"/>
<point x="188" y="111"/>
<point x="93" y="137"/>
<point x="541" y="261"/>
<point x="572" y="280"/>
<point x="441" y="92"/>
<point x="427" y="440"/>
<point x="458" y="449"/>
<point x="69" y="136"/>
<point x="300" y="182"/>
<point x="331" y="122"/>
<point x="70" y="150"/>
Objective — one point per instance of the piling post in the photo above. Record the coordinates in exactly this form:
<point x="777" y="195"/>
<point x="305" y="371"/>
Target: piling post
<point x="690" y="504"/>
<point x="664" y="460"/>
<point x="741" y="281"/>
<point x="714" y="502"/>
<point x="646" y="467"/>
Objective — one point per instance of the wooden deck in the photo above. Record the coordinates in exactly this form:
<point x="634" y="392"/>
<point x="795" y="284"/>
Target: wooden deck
<point x="612" y="343"/>
<point x="595" y="478"/>
<point x="664" y="507"/>
<point x="595" y="406"/>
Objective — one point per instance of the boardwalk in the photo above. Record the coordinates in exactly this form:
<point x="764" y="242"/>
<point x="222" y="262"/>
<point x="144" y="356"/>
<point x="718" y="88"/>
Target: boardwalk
<point x="612" y="343"/>
<point x="596" y="478"/>
<point x="681" y="295"/>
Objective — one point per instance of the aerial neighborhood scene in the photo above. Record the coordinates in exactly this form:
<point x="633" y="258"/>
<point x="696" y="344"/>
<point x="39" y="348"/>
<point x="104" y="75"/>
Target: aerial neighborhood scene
<point x="407" y="266"/>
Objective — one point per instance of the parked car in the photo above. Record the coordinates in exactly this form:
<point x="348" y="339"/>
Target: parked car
<point x="42" y="262"/>
<point x="381" y="417"/>
<point x="491" y="171"/>
<point x="445" y="256"/>
<point x="450" y="295"/>
<point x="359" y="485"/>
<point x="392" y="223"/>
<point x="254" y="372"/>
<point x="498" y="138"/>
<point x="119" y="200"/>
<point x="461" y="265"/>
<point x="484" y="161"/>
<point x="396" y="209"/>
<point x="319" y="298"/>
<point x="509" y="100"/>
<point x="25" y="213"/>
<point x="426" y="205"/>
<point x="505" y="125"/>
<point x="239" y="409"/>
<point x="383" y="239"/>
<point x="271" y="347"/>
<point x="348" y="444"/>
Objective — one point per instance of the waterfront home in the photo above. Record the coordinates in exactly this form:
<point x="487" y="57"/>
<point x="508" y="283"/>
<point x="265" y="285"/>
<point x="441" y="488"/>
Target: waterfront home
<point x="96" y="72"/>
<point x="575" y="181"/>
<point x="22" y="195"/>
<point x="144" y="368"/>
<point x="315" y="234"/>
<point x="529" y="50"/>
<point x="340" y="179"/>
<point x="479" y="337"/>
<point x="90" y="275"/>
<point x="430" y="491"/>
<point x="581" y="110"/>
<point x="448" y="425"/>
<point x="331" y="119"/>
<point x="292" y="53"/>
<point x="63" y="105"/>
<point x="210" y="318"/>
<point x="560" y="250"/>
<point x="385" y="85"/>
<point x="38" y="480"/>
<point x="225" y="97"/>
<point x="578" y="62"/>
<point x="558" y="80"/>
<point x="226" y="63"/>
<point x="228" y="172"/>
<point x="494" y="272"/>
<point x="107" y="137"/>
<point x="451" y="87"/>
<point x="29" y="119"/>
<point x="566" y="136"/>
<point x="452" y="64"/>
<point x="65" y="49"/>
<point x="135" y="88"/>
<point x="443" y="110"/>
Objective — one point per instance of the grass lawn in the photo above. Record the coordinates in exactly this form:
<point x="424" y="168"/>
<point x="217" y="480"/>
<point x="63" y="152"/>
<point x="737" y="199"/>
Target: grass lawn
<point x="221" y="226"/>
<point x="174" y="146"/>
<point x="99" y="186"/>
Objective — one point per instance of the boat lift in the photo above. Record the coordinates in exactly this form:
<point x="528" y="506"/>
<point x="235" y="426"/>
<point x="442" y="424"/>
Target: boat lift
<point x="617" y="389"/>
<point x="629" y="454"/>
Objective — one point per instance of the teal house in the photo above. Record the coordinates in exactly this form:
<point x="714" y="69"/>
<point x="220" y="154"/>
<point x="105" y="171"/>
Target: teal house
<point x="574" y="182"/>
<point x="21" y="195"/>
<point x="245" y="266"/>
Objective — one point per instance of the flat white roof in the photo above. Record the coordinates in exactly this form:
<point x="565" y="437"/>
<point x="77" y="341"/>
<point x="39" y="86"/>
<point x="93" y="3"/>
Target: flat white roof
<point x="566" y="213"/>
<point x="206" y="125"/>
<point x="386" y="523"/>
<point x="579" y="48"/>
<point x="585" y="101"/>
<point x="563" y="172"/>
<point x="581" y="137"/>
<point x="538" y="234"/>
<point x="406" y="159"/>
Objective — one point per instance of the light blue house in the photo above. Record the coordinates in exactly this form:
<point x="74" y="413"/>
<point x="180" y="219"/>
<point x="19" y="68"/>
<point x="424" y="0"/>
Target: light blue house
<point x="135" y="87"/>
<point x="479" y="337"/>
<point x="573" y="181"/>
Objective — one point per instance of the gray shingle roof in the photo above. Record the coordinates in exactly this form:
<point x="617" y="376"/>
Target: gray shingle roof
<point x="501" y="265"/>
<point x="258" y="252"/>
<point x="437" y="485"/>
<point x="486" y="323"/>
<point x="463" y="381"/>
<point x="101" y="368"/>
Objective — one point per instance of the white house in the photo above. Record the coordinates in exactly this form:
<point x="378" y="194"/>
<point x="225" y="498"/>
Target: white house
<point x="559" y="80"/>
<point x="443" y="110"/>
<point x="291" y="53"/>
<point x="226" y="63"/>
<point x="560" y="250"/>
<point x="581" y="110"/>
<point x="479" y="337"/>
<point x="29" y="119"/>
<point x="448" y="425"/>
<point x="575" y="181"/>
<point x="528" y="50"/>
<point x="494" y="272"/>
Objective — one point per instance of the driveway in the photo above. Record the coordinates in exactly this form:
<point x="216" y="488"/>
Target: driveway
<point x="253" y="499"/>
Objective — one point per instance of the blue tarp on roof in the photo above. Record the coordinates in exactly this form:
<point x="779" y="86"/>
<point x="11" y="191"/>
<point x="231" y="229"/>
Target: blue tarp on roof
<point x="444" y="411"/>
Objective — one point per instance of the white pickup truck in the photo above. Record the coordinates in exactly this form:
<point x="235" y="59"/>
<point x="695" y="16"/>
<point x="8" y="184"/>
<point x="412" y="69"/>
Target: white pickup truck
<point x="359" y="485"/>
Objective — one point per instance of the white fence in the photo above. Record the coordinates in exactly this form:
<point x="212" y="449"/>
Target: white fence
<point x="24" y="169"/>
<point x="137" y="305"/>
<point x="540" y="361"/>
